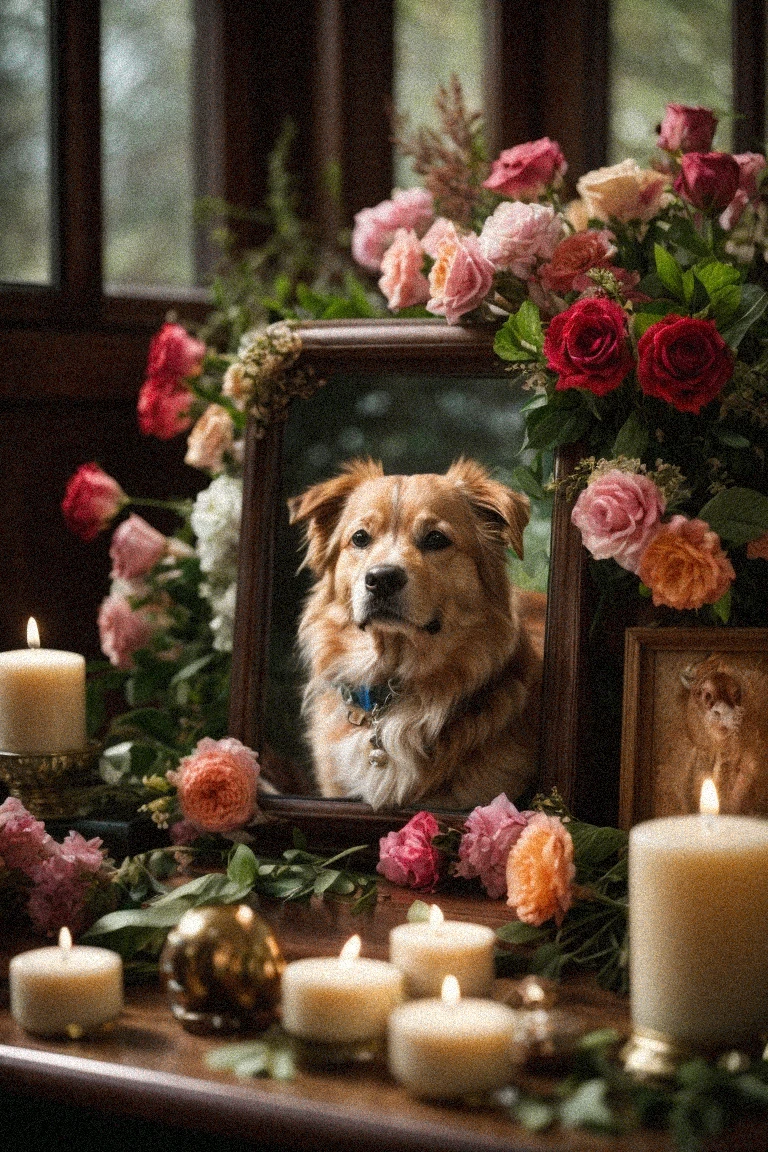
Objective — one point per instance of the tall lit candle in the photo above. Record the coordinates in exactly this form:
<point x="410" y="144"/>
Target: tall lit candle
<point x="698" y="917"/>
<point x="42" y="699"/>
<point x="428" y="951"/>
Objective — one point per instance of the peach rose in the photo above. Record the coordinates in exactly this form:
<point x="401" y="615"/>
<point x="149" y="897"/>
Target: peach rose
<point x="623" y="192"/>
<point x="617" y="515"/>
<point x="758" y="549"/>
<point x="210" y="439"/>
<point x="540" y="871"/>
<point x="237" y="386"/>
<point x="577" y="215"/>
<point x="123" y="630"/>
<point x="517" y="236"/>
<point x="402" y="281"/>
<point x="460" y="278"/>
<point x="685" y="566"/>
<point x="135" y="548"/>
<point x="217" y="784"/>
<point x="375" y="228"/>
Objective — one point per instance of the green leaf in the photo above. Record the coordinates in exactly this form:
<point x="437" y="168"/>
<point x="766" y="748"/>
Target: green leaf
<point x="153" y="722"/>
<point x="418" y="913"/>
<point x="668" y="271"/>
<point x="521" y="337"/>
<point x="592" y="845"/>
<point x="243" y="867"/>
<point x="722" y="607"/>
<point x="535" y="1115"/>
<point x="299" y="840"/>
<point x="524" y="480"/>
<point x="652" y="312"/>
<point x="632" y="438"/>
<point x="325" y="880"/>
<point x="557" y="426"/>
<point x="515" y="932"/>
<point x="754" y="302"/>
<point x="738" y="515"/>
<point x="731" y="439"/>
<point x="587" y="1108"/>
<point x="192" y="669"/>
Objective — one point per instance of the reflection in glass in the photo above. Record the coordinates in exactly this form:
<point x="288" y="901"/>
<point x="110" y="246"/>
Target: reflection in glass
<point x="666" y="51"/>
<point x="25" y="152"/>
<point x="411" y="425"/>
<point x="147" y="142"/>
<point x="432" y="42"/>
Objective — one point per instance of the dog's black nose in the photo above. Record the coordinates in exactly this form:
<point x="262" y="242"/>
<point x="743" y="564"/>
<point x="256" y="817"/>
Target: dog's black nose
<point x="385" y="579"/>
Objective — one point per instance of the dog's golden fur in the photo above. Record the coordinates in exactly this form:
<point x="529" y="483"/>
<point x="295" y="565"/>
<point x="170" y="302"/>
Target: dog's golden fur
<point x="460" y="646"/>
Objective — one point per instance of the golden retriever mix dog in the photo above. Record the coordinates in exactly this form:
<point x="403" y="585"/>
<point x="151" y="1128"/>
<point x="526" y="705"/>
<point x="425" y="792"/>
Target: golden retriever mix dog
<point x="424" y="661"/>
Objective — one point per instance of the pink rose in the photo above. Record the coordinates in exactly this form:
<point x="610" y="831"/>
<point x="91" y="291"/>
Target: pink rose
<point x="136" y="547"/>
<point x="460" y="278"/>
<point x="708" y="180"/>
<point x="374" y="228"/>
<point x="518" y="235"/>
<point x="24" y="842"/>
<point x="217" y="784"/>
<point x="402" y="281"/>
<point x="123" y="630"/>
<point x="617" y="514"/>
<point x="91" y="501"/>
<point x="751" y="164"/>
<point x="433" y="237"/>
<point x="211" y="439"/>
<point x="408" y="857"/>
<point x="489" y="834"/>
<point x="527" y="170"/>
<point x="163" y="407"/>
<point x="686" y="129"/>
<point x="174" y="353"/>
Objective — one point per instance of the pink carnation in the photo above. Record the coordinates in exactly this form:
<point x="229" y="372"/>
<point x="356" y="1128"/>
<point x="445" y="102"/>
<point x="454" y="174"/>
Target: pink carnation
<point x="402" y="281"/>
<point x="136" y="547"/>
<point x="408" y="857"/>
<point x="527" y="170"/>
<point x="541" y="871"/>
<point x="217" y="785"/>
<point x="123" y="630"/>
<point x="517" y="236"/>
<point x="617" y="514"/>
<point x="460" y="278"/>
<point x="24" y="842"/>
<point x="489" y="834"/>
<point x="375" y="228"/>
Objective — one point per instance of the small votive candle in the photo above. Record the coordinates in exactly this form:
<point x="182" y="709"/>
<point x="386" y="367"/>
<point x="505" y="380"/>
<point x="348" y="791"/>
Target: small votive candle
<point x="65" y="990"/>
<point x="445" y="1048"/>
<point x="429" y="951"/>
<point x="341" y="999"/>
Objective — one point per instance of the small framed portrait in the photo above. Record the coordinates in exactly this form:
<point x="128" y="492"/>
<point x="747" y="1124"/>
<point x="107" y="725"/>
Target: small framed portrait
<point x="695" y="706"/>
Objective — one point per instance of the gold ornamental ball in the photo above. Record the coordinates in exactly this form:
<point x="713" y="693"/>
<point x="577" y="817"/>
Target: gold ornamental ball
<point x="221" y="967"/>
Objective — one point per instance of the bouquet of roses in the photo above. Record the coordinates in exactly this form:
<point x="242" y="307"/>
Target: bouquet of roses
<point x="635" y="314"/>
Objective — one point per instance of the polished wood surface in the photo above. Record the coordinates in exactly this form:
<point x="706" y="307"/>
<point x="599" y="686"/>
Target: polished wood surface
<point x="148" y="1067"/>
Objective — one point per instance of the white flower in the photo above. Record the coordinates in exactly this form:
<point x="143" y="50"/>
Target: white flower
<point x="223" y="620"/>
<point x="215" y="521"/>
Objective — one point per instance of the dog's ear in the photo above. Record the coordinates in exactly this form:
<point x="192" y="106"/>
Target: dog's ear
<point x="504" y="513"/>
<point x="321" y="506"/>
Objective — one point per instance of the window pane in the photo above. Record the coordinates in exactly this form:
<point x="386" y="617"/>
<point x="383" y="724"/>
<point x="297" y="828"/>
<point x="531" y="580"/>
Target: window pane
<point x="25" y="153"/>
<point x="667" y="51"/>
<point x="147" y="140"/>
<point x="433" y="40"/>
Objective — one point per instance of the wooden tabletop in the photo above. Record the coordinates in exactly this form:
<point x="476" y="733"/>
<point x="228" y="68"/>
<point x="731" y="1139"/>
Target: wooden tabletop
<point x="149" y="1067"/>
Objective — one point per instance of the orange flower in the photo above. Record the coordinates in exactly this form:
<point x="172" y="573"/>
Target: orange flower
<point x="758" y="549"/>
<point x="685" y="566"/>
<point x="540" y="871"/>
<point x="217" y="785"/>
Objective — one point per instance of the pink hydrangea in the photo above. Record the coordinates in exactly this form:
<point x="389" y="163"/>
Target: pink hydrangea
<point x="62" y="884"/>
<point x="135" y="548"/>
<point x="617" y="515"/>
<point x="517" y="236"/>
<point x="24" y="842"/>
<point x="408" y="857"/>
<point x="489" y="834"/>
<point x="402" y="282"/>
<point x="460" y="278"/>
<point x="375" y="228"/>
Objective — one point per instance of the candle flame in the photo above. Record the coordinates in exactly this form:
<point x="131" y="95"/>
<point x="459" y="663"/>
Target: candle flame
<point x="709" y="803"/>
<point x="435" y="916"/>
<point x="351" y="950"/>
<point x="33" y="633"/>
<point x="65" y="940"/>
<point x="450" y="993"/>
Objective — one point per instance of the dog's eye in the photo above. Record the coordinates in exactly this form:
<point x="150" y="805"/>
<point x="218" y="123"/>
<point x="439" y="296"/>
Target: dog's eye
<point x="435" y="541"/>
<point x="361" y="538"/>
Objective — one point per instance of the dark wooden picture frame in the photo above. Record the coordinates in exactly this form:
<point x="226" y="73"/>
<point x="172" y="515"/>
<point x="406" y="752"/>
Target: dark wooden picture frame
<point x="654" y="720"/>
<point x="431" y="348"/>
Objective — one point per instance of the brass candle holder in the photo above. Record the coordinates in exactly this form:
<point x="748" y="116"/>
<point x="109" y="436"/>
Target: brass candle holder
<point x="49" y="784"/>
<point x="650" y="1055"/>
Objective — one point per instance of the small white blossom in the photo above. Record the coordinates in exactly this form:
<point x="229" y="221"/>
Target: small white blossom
<point x="215" y="521"/>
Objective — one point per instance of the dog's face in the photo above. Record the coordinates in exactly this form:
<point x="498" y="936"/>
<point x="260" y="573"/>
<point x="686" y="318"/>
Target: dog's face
<point x="412" y="554"/>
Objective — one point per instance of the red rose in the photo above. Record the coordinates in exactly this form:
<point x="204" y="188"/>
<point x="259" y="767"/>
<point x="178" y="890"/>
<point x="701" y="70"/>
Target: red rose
<point x="163" y="407"/>
<point x="173" y="352"/>
<point x="587" y="345"/>
<point x="527" y="170"/>
<point x="91" y="501"/>
<point x="708" y="180"/>
<point x="683" y="361"/>
<point x="686" y="129"/>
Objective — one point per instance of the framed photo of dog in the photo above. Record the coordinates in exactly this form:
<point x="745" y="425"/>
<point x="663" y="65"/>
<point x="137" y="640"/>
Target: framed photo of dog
<point x="695" y="706"/>
<point x="407" y="665"/>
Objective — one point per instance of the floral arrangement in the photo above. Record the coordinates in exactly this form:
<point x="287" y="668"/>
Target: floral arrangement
<point x="636" y="317"/>
<point x="47" y="884"/>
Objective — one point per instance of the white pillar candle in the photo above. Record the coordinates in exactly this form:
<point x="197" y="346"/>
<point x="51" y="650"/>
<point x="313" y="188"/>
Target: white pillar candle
<point x="42" y="699"/>
<point x="340" y="999"/>
<point x="65" y="990"/>
<point x="450" y="1047"/>
<point x="698" y="923"/>
<point x="427" y="952"/>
